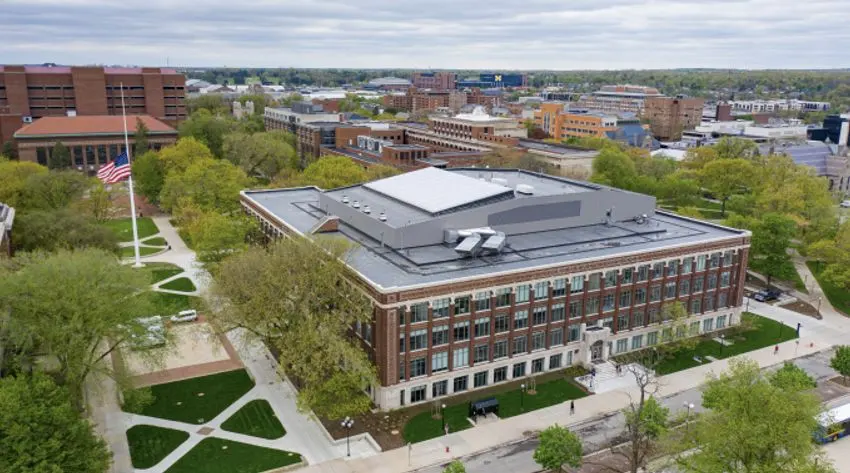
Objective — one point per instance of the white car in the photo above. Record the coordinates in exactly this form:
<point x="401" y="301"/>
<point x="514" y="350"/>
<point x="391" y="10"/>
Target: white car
<point x="845" y="204"/>
<point x="185" y="316"/>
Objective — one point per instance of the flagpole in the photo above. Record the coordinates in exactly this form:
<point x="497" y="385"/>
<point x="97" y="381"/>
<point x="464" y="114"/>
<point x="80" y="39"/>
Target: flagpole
<point x="138" y="263"/>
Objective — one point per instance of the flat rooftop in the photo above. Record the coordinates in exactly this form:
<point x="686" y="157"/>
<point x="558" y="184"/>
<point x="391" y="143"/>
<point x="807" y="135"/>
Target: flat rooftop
<point x="410" y="236"/>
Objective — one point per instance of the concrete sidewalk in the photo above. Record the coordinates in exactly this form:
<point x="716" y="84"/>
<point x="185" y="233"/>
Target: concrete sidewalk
<point x="478" y="439"/>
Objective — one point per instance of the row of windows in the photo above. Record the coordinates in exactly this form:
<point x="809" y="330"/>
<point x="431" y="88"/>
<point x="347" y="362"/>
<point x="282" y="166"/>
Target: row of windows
<point x="639" y="341"/>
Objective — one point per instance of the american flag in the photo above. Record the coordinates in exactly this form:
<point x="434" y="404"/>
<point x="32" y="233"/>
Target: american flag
<point x="116" y="170"/>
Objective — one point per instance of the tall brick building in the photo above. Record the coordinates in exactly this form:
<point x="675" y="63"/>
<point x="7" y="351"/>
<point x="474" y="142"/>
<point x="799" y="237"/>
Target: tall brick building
<point x="435" y="80"/>
<point x="480" y="276"/>
<point x="670" y="116"/>
<point x="31" y="92"/>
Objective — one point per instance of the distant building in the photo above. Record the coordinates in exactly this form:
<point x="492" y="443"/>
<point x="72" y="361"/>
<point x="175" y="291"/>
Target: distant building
<point x="561" y="124"/>
<point x="28" y="93"/>
<point x="92" y="140"/>
<point x="618" y="98"/>
<point x="772" y="106"/>
<point x="240" y="111"/>
<point x="838" y="129"/>
<point x="494" y="80"/>
<point x="435" y="80"/>
<point x="479" y="126"/>
<point x="195" y="85"/>
<point x="388" y="83"/>
<point x="415" y="100"/>
<point x="668" y="116"/>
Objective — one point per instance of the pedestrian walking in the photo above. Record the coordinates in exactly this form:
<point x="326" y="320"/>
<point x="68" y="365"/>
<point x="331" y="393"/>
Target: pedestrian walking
<point x="572" y="407"/>
<point x="776" y="350"/>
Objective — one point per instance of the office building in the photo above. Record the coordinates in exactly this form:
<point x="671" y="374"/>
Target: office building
<point x="777" y="105"/>
<point x="28" y="93"/>
<point x="415" y="100"/>
<point x="494" y="80"/>
<point x="838" y="129"/>
<point x="618" y="98"/>
<point x="669" y="116"/>
<point x="92" y="140"/>
<point x="483" y="276"/>
<point x="562" y="124"/>
<point x="435" y="80"/>
<point x="478" y="126"/>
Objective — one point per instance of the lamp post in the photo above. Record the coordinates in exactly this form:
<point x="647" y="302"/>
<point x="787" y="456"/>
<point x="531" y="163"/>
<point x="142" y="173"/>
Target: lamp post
<point x="347" y="424"/>
<point x="689" y="406"/>
<point x="522" y="397"/>
<point x="443" y="415"/>
<point x="722" y="343"/>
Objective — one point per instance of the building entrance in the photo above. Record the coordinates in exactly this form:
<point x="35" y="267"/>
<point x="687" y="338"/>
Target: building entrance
<point x="596" y="351"/>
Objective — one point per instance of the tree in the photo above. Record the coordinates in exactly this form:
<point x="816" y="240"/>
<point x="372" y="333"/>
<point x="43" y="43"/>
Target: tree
<point x="215" y="236"/>
<point x="53" y="190"/>
<point x="792" y="378"/>
<point x="212" y="184"/>
<point x="261" y="101"/>
<point x="261" y="155"/>
<point x="60" y="157"/>
<point x="149" y="176"/>
<point x="841" y="361"/>
<point x="615" y="168"/>
<point x="752" y="425"/>
<point x="823" y="251"/>
<point x="98" y="203"/>
<point x="455" y="467"/>
<point x="380" y="171"/>
<point x="79" y="305"/>
<point x="13" y="180"/>
<point x="52" y="230"/>
<point x="9" y="150"/>
<point x="42" y="432"/>
<point x="691" y="212"/>
<point x="140" y="140"/>
<point x="725" y="177"/>
<point x="735" y="148"/>
<point x="331" y="172"/>
<point x="771" y="239"/>
<point x="209" y="129"/>
<point x="216" y="104"/>
<point x="178" y="158"/>
<point x="296" y="297"/>
<point x="558" y="447"/>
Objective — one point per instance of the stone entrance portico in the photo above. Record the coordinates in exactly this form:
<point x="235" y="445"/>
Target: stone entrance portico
<point x="596" y="347"/>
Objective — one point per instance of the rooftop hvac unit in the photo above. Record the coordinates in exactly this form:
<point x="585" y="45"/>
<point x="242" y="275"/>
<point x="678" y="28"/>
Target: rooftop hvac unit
<point x="366" y="209"/>
<point x="525" y="189"/>
<point x="382" y="217"/>
<point x="356" y="204"/>
<point x="27" y="119"/>
<point x="344" y="199"/>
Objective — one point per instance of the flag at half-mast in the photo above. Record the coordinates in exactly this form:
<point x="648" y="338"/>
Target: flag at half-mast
<point x="116" y="170"/>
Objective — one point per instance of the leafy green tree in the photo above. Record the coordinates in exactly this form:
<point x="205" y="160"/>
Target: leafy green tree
<point x="792" y="378"/>
<point x="60" y="157"/>
<point x="187" y="151"/>
<point x="455" y="467"/>
<point x="691" y="212"/>
<point x="331" y="172"/>
<point x="140" y="140"/>
<point x="42" y="432"/>
<point x="13" y="180"/>
<point x="209" y="129"/>
<point x="98" y="202"/>
<point x="263" y="155"/>
<point x="735" y="148"/>
<point x="771" y="239"/>
<point x="215" y="236"/>
<point x="149" y="176"/>
<point x="261" y="101"/>
<point x="725" y="177"/>
<point x="615" y="168"/>
<point x="79" y="306"/>
<point x="53" y="190"/>
<point x="841" y="361"/>
<point x="212" y="184"/>
<point x="752" y="425"/>
<point x="824" y="251"/>
<point x="52" y="230"/>
<point x="9" y="150"/>
<point x="216" y="104"/>
<point x="296" y="297"/>
<point x="558" y="448"/>
<point x="645" y="424"/>
<point x="380" y="171"/>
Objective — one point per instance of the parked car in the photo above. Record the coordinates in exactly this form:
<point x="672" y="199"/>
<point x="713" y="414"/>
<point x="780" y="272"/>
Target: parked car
<point x="185" y="316"/>
<point x="767" y="295"/>
<point x="845" y="204"/>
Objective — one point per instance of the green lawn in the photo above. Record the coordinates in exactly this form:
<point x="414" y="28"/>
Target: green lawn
<point x="215" y="455"/>
<point x="179" y="284"/>
<point x="838" y="297"/>
<point x="198" y="400"/>
<point x="788" y="273"/>
<point x="129" y="252"/>
<point x="167" y="304"/>
<point x="150" y="444"/>
<point x="765" y="333"/>
<point x="160" y="271"/>
<point x="511" y="403"/>
<point x="156" y="241"/>
<point x="123" y="227"/>
<point x="255" y="418"/>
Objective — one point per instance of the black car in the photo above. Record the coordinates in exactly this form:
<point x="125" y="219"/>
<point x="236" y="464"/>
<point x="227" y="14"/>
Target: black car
<point x="767" y="295"/>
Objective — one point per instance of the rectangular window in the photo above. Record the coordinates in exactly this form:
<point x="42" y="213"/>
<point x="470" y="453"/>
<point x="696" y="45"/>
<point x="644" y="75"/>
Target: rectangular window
<point x="500" y="349"/>
<point x="500" y="374"/>
<point x="727" y="258"/>
<point x="555" y="361"/>
<point x="651" y="339"/>
<point x="625" y="299"/>
<point x="672" y="267"/>
<point x="628" y="275"/>
<point x="522" y="295"/>
<point x="637" y="342"/>
<point x="696" y="306"/>
<point x="715" y="260"/>
<point x="440" y="308"/>
<point x="657" y="270"/>
<point x="687" y="265"/>
<point x="623" y="321"/>
<point x="417" y="394"/>
<point x="482" y="327"/>
<point x="401" y="369"/>
<point x="638" y="317"/>
<point x="712" y="281"/>
<point x="724" y="278"/>
<point x="593" y="305"/>
<point x="461" y="331"/>
<point x="593" y="282"/>
<point x="538" y="365"/>
<point x="670" y="290"/>
<point x="558" y="312"/>
<point x="461" y="384"/>
<point x="640" y="295"/>
<point x="439" y="335"/>
<point x="502" y="323"/>
<point x="538" y="340"/>
<point x="418" y="339"/>
<point x="693" y="330"/>
<point x="577" y="284"/>
<point x="482" y="301"/>
<point x="608" y="302"/>
<point x="698" y="284"/>
<point x="440" y="388"/>
<point x="439" y="362"/>
<point x="520" y="345"/>
<point x="708" y="325"/>
<point x="419" y="312"/>
<point x="538" y="316"/>
<point x="482" y="353"/>
<point x="460" y="358"/>
<point x="622" y="345"/>
<point x="643" y="273"/>
<point x="541" y="290"/>
<point x="520" y="319"/>
<point x="556" y="337"/>
<point x="417" y="367"/>
<point x="684" y="287"/>
<point x="722" y="300"/>
<point x="575" y="332"/>
<point x="654" y="316"/>
<point x="461" y="305"/>
<point x="519" y="370"/>
<point x="721" y="322"/>
<point x="559" y="287"/>
<point x="402" y="345"/>
<point x="503" y="297"/>
<point x="655" y="293"/>
<point x="701" y="263"/>
<point x="575" y="309"/>
<point x="666" y="334"/>
<point x="681" y="331"/>
<point x="611" y="278"/>
<point x="78" y="155"/>
<point x="608" y="322"/>
<point x="480" y="379"/>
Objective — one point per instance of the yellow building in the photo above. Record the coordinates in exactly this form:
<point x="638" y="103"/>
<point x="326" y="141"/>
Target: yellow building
<point x="561" y="125"/>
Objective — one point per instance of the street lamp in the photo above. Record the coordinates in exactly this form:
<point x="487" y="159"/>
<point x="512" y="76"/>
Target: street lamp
<point x="689" y="406"/>
<point x="522" y="396"/>
<point x="722" y="342"/>
<point x="347" y="424"/>
<point x="443" y="416"/>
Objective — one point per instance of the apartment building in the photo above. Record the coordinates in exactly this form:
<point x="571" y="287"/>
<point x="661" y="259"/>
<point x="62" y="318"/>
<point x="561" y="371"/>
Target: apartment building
<point x="481" y="276"/>
<point x="28" y="93"/>
<point x="618" y="98"/>
<point x="777" y="105"/>
<point x="435" y="80"/>
<point x="669" y="116"/>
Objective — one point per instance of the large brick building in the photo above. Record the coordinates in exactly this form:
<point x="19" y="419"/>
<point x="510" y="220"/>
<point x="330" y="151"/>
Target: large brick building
<point x="435" y="80"/>
<point x="669" y="116"/>
<point x="480" y="276"/>
<point x="28" y="93"/>
<point x="421" y="100"/>
<point x="618" y="98"/>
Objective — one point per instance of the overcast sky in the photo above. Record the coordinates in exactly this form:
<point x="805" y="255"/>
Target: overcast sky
<point x="473" y="34"/>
